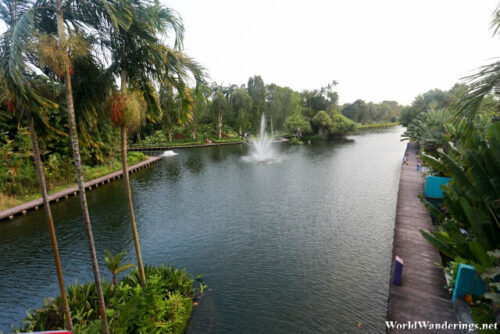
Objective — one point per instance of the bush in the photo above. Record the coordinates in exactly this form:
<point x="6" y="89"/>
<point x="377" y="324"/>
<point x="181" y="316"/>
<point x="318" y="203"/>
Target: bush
<point x="164" y="305"/>
<point x="322" y="123"/>
<point x="297" y="121"/>
<point x="295" y="141"/>
<point x="341" y="125"/>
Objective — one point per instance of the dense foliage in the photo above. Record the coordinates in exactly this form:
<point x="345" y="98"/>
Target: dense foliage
<point x="459" y="136"/>
<point x="17" y="170"/>
<point x="164" y="305"/>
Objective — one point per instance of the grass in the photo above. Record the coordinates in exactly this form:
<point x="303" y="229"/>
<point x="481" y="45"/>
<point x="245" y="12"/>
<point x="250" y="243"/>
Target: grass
<point x="89" y="173"/>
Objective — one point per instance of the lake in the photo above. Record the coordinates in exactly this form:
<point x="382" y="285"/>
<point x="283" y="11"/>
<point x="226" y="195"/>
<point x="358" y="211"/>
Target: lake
<point x="299" y="246"/>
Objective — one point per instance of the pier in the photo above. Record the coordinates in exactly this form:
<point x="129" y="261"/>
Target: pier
<point x="73" y="191"/>
<point x="421" y="296"/>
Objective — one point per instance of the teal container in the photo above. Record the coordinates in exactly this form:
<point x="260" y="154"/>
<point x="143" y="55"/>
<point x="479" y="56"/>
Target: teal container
<point x="468" y="282"/>
<point x="433" y="186"/>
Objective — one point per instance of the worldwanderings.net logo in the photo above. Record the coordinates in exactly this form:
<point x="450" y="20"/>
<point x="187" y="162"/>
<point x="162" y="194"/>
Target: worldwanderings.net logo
<point x="426" y="325"/>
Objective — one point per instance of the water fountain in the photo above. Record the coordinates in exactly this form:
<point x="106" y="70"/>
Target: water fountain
<point x="169" y="153"/>
<point x="262" y="150"/>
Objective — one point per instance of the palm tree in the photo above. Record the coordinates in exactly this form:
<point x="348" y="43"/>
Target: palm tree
<point x="140" y="60"/>
<point x="482" y="83"/>
<point x="114" y="264"/>
<point x="79" y="172"/>
<point x="219" y="106"/>
<point x="242" y="105"/>
<point x="28" y="105"/>
<point x="176" y="109"/>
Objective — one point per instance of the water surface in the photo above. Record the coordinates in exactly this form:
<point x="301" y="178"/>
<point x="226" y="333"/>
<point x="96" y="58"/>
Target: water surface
<point x="301" y="246"/>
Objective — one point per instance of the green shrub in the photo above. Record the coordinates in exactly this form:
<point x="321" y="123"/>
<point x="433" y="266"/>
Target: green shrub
<point x="296" y="141"/>
<point x="164" y="305"/>
<point x="297" y="121"/>
<point x="341" y="125"/>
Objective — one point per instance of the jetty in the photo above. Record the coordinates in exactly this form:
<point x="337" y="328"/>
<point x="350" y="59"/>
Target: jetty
<point x="421" y="295"/>
<point x="73" y="191"/>
<point x="149" y="148"/>
<point x="143" y="148"/>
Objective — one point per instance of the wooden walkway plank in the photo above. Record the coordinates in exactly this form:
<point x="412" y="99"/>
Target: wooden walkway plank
<point x="72" y="191"/>
<point x="421" y="296"/>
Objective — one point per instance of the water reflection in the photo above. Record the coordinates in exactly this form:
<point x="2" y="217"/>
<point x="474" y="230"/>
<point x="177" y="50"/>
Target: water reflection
<point x="194" y="164"/>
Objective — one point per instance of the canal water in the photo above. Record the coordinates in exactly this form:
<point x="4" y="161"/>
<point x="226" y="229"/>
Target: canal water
<point x="299" y="246"/>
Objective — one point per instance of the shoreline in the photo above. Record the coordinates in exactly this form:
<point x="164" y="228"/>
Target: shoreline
<point x="35" y="204"/>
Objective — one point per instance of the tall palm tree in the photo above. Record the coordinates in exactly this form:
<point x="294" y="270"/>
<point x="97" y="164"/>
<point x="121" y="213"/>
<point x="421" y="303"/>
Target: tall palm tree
<point x="219" y="106"/>
<point x="79" y="172"/>
<point x="140" y="59"/>
<point x="176" y="108"/>
<point x="28" y="105"/>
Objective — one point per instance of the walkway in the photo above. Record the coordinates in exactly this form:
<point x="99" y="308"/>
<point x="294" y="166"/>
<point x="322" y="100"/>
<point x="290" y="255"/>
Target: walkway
<point x="72" y="191"/>
<point x="172" y="147"/>
<point x="421" y="296"/>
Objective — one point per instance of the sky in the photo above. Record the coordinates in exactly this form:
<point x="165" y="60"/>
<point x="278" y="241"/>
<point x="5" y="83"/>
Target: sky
<point x="376" y="50"/>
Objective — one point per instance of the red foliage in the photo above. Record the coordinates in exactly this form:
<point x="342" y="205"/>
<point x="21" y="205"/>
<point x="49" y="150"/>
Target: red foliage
<point x="178" y="136"/>
<point x="10" y="105"/>
<point x="117" y="108"/>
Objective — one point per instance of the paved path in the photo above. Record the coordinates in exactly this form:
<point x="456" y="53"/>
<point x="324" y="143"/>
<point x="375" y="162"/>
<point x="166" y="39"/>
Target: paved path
<point x="421" y="296"/>
<point x="73" y="191"/>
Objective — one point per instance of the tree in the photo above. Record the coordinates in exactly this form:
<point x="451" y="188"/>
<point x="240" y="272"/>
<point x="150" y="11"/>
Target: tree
<point x="27" y="111"/>
<point x="200" y="96"/>
<point x="257" y="91"/>
<point x="176" y="109"/>
<point x="274" y="98"/>
<point x="431" y="100"/>
<point x="78" y="166"/>
<point x="219" y="107"/>
<point x="297" y="123"/>
<point x="322" y="122"/>
<point x="114" y="264"/>
<point x="140" y="59"/>
<point x="241" y="103"/>
<point x="341" y="125"/>
<point x="331" y="96"/>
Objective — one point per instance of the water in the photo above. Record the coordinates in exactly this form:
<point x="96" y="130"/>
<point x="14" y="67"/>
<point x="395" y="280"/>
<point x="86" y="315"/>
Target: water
<point x="302" y="246"/>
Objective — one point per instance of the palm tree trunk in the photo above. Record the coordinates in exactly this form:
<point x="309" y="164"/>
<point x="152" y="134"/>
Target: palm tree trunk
<point x="79" y="174"/>
<point x="193" y="133"/>
<point x="126" y="178"/>
<point x="50" y="223"/>
<point x="219" y="118"/>
<point x="240" y="123"/>
<point x="272" y="125"/>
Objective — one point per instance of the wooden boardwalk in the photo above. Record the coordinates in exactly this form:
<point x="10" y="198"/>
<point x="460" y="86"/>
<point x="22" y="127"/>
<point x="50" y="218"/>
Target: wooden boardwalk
<point x="171" y="147"/>
<point x="72" y="191"/>
<point x="421" y="296"/>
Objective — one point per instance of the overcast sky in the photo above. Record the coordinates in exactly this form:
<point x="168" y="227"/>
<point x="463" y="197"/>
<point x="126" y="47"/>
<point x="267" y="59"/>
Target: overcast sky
<point x="376" y="50"/>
